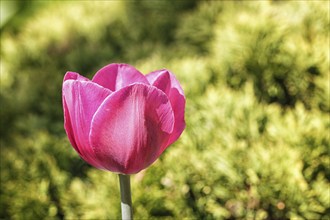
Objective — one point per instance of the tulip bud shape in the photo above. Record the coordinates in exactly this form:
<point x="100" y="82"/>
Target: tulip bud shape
<point x="122" y="120"/>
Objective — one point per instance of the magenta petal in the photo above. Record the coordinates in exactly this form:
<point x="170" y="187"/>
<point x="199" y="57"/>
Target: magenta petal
<point x="67" y="120"/>
<point x="116" y="76"/>
<point x="75" y="76"/>
<point x="81" y="99"/>
<point x="166" y="81"/>
<point x="131" y="128"/>
<point x="68" y="126"/>
<point x="159" y="77"/>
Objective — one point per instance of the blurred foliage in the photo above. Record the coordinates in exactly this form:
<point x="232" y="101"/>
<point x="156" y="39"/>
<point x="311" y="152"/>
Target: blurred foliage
<point x="256" y="77"/>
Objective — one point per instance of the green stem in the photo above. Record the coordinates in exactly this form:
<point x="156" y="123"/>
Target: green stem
<point x="125" y="195"/>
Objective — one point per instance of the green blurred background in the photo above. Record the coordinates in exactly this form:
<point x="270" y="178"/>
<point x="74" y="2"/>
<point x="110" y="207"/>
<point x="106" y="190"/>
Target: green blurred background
<point x="256" y="78"/>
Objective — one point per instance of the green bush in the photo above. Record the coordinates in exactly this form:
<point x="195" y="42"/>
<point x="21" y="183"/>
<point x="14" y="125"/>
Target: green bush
<point x="256" y="78"/>
<point x="283" y="56"/>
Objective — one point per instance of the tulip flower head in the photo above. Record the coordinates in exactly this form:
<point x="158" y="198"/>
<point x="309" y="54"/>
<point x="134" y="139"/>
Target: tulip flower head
<point x="122" y="120"/>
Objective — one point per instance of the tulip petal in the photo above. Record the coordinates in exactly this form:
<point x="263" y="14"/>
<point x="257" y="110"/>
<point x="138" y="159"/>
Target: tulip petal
<point x="75" y="76"/>
<point x="164" y="76"/>
<point x="131" y="127"/>
<point x="67" y="119"/>
<point x="68" y="126"/>
<point x="166" y="81"/>
<point x="116" y="76"/>
<point x="81" y="100"/>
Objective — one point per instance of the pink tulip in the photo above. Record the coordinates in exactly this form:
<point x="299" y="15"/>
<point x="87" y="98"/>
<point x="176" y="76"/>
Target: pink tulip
<point x="121" y="120"/>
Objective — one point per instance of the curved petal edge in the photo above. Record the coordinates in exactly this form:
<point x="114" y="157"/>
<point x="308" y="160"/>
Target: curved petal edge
<point x="118" y="75"/>
<point x="166" y="81"/>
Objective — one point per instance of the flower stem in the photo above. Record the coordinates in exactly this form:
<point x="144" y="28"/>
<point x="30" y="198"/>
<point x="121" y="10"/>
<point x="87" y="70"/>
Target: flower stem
<point x="125" y="194"/>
